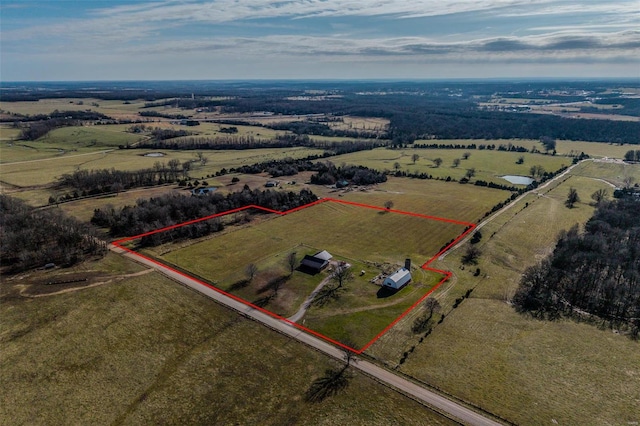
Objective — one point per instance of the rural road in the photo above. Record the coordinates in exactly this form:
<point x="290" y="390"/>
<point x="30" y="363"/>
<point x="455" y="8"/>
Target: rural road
<point x="508" y="206"/>
<point x="455" y="410"/>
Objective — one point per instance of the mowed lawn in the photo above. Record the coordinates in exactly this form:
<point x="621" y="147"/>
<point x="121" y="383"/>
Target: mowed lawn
<point x="122" y="352"/>
<point x="489" y="165"/>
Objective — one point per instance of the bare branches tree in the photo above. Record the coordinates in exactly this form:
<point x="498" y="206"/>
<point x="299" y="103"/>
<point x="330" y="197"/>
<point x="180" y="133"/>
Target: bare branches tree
<point x="456" y="162"/>
<point x="292" y="261"/>
<point x="572" y="198"/>
<point x="466" y="155"/>
<point x="250" y="271"/>
<point x="388" y="205"/>
<point x="342" y="275"/>
<point x="437" y="161"/>
<point x="414" y="158"/>
<point x="599" y="196"/>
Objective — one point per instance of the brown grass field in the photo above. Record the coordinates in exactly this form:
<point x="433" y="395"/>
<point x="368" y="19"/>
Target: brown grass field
<point x="525" y="370"/>
<point x="122" y="353"/>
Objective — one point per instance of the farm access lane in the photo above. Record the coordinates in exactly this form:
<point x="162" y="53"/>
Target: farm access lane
<point x="388" y="378"/>
<point x="508" y="206"/>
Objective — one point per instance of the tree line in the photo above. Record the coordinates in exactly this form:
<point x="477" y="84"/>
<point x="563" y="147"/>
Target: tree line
<point x="159" y="212"/>
<point x="593" y="275"/>
<point x="32" y="238"/>
<point x="41" y="124"/>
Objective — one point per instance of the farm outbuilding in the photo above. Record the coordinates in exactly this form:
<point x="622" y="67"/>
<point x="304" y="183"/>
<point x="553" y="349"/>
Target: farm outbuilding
<point x="313" y="264"/>
<point x="324" y="255"/>
<point x="398" y="279"/>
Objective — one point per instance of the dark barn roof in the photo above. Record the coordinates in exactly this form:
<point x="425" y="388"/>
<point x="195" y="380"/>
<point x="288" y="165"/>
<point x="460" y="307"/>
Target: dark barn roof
<point x="313" y="264"/>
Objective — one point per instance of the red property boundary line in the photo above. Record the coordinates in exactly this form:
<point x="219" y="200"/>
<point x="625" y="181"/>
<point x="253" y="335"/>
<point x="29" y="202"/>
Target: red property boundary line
<point x="446" y="274"/>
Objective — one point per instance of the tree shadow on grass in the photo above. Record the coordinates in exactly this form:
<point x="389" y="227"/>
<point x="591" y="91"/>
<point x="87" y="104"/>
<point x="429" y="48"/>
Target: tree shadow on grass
<point x="328" y="385"/>
<point x="274" y="284"/>
<point x="263" y="301"/>
<point x="327" y="294"/>
<point x="239" y="285"/>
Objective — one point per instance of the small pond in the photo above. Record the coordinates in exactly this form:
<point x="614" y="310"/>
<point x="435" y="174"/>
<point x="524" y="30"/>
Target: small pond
<point x="518" y="180"/>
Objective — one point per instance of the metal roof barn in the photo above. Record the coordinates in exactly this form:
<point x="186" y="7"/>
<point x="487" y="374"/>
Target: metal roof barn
<point x="398" y="280"/>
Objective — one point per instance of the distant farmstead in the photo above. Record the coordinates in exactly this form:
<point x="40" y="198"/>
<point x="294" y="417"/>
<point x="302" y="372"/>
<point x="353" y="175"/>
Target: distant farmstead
<point x="316" y="263"/>
<point x="272" y="184"/>
<point x="398" y="279"/>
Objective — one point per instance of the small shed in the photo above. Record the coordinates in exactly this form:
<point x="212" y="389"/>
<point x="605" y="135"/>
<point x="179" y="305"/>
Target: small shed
<point x="398" y="279"/>
<point x="313" y="264"/>
<point x="272" y="184"/>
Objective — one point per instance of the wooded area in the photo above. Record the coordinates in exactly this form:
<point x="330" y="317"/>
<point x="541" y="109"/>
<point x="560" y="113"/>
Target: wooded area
<point x="594" y="275"/>
<point x="159" y="212"/>
<point x="32" y="238"/>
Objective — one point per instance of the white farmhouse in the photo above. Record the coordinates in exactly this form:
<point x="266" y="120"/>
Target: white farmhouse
<point x="398" y="279"/>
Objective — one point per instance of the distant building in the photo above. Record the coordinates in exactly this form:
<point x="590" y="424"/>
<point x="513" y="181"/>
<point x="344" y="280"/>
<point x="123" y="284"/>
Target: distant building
<point x="398" y="279"/>
<point x="272" y="184"/>
<point x="202" y="191"/>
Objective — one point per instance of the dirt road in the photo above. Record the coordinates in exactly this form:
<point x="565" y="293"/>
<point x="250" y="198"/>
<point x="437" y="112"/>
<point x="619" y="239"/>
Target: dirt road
<point x="457" y="411"/>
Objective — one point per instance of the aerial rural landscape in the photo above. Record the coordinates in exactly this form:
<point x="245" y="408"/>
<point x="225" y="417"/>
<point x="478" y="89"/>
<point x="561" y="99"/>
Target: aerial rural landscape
<point x="276" y="250"/>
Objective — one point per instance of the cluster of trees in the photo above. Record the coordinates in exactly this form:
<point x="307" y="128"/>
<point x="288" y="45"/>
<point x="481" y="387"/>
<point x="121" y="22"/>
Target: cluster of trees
<point x="594" y="275"/>
<point x="632" y="155"/>
<point x="159" y="212"/>
<point x="41" y="124"/>
<point x="162" y="115"/>
<point x="32" y="238"/>
<point x="329" y="174"/>
<point x="90" y="182"/>
<point x="502" y="147"/>
<point x="163" y="134"/>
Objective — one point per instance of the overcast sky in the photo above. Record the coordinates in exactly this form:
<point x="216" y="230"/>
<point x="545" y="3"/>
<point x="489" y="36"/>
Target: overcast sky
<point x="316" y="39"/>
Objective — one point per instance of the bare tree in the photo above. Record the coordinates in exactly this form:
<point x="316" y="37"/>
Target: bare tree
<point x="471" y="255"/>
<point x="599" y="196"/>
<point x="186" y="166"/>
<point x="250" y="271"/>
<point x="388" y="205"/>
<point x="117" y="187"/>
<point x="470" y="173"/>
<point x="437" y="161"/>
<point x="456" y="162"/>
<point x="342" y="275"/>
<point x="396" y="166"/>
<point x="628" y="181"/>
<point x="572" y="198"/>
<point x="292" y="261"/>
<point x="414" y="158"/>
<point x="466" y="155"/>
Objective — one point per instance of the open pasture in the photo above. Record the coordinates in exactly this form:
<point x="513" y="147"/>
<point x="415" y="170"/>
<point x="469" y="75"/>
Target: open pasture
<point x="122" y="352"/>
<point x="525" y="370"/>
<point x="433" y="197"/>
<point x="489" y="165"/>
<point x="46" y="171"/>
<point x="366" y="238"/>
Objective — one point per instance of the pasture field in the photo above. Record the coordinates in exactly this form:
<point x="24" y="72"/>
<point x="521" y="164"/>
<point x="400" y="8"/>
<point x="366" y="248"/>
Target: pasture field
<point x="212" y="130"/>
<point x="45" y="171"/>
<point x="614" y="173"/>
<point x="525" y="370"/>
<point x="488" y="165"/>
<point x="563" y="147"/>
<point x="122" y="352"/>
<point x="367" y="239"/>
<point x="432" y="197"/>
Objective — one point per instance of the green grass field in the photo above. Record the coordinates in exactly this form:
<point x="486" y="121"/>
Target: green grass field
<point x="122" y="353"/>
<point x="46" y="171"/>
<point x="365" y="238"/>
<point x="488" y="165"/>
<point x="528" y="371"/>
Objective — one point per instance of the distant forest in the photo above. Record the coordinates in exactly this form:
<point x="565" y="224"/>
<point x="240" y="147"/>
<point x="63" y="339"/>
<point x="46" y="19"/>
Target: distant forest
<point x="594" y="275"/>
<point x="416" y="110"/>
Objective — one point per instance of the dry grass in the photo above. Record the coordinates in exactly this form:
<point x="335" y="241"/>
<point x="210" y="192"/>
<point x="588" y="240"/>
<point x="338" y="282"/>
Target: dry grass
<point x="528" y="371"/>
<point x="488" y="165"/>
<point x="148" y="351"/>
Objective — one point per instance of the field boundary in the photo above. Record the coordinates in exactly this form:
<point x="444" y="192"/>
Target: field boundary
<point x="469" y="227"/>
